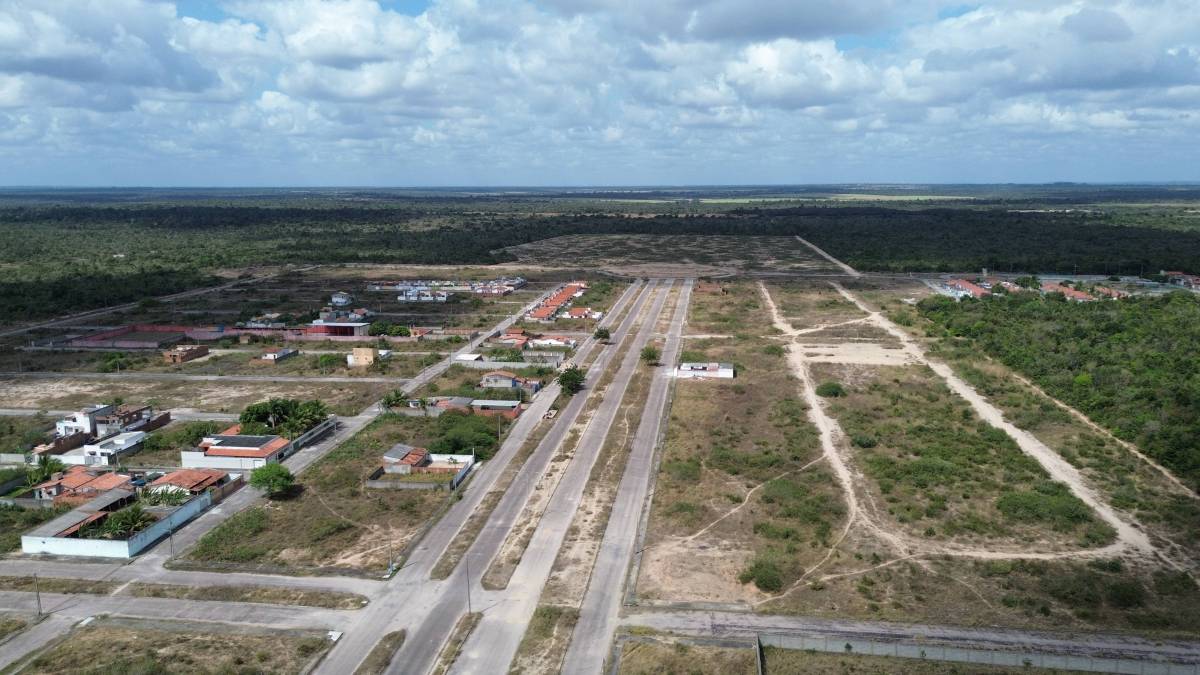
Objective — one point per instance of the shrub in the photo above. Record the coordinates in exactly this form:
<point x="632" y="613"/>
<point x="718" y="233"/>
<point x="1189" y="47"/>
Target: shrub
<point x="274" y="479"/>
<point x="1126" y="593"/>
<point x="831" y="390"/>
<point x="765" y="574"/>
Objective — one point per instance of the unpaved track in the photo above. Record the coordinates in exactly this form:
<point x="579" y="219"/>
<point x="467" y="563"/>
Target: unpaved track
<point x="1129" y="536"/>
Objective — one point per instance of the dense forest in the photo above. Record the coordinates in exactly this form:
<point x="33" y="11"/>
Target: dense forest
<point x="58" y="258"/>
<point x="1130" y="364"/>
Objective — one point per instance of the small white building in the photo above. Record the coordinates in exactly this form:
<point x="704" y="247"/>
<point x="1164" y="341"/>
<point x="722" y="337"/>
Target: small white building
<point x="104" y="451"/>
<point x="722" y="371"/>
<point x="341" y="299"/>
<point x="83" y="420"/>
<point x="277" y="355"/>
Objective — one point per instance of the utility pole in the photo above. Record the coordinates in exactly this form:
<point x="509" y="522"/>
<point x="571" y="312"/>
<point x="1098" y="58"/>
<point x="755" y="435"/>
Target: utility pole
<point x="37" y="592"/>
<point x="467" y="565"/>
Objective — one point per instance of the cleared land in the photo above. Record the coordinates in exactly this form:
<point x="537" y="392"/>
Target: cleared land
<point x="126" y="645"/>
<point x="673" y="255"/>
<point x="335" y="522"/>
<point x="215" y="396"/>
<point x="741" y="493"/>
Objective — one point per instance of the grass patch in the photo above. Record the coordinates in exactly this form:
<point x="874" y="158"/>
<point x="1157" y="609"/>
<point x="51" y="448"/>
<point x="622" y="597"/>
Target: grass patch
<point x="381" y="654"/>
<point x="458" y="637"/>
<point x="57" y="585"/>
<point x="546" y="639"/>
<point x="256" y="594"/>
<point x="14" y="520"/>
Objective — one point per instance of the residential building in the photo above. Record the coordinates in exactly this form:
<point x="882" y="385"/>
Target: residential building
<point x="1070" y="293"/>
<point x="275" y="355"/>
<point x="104" y="451"/>
<point x="582" y="313"/>
<point x="232" y="450"/>
<point x="557" y="302"/>
<point x="337" y="315"/>
<point x="1184" y="279"/>
<point x="100" y="420"/>
<point x="184" y="353"/>
<point x="402" y="458"/>
<point x="961" y="288"/>
<point x="79" y="483"/>
<point x="488" y="408"/>
<point x="503" y="379"/>
<point x="1109" y="292"/>
<point x="341" y="299"/>
<point x="553" y="341"/>
<point x="191" y="481"/>
<point x="361" y="357"/>
<point x="82" y="421"/>
<point x="713" y="370"/>
<point x="65" y="535"/>
<point x="269" y="320"/>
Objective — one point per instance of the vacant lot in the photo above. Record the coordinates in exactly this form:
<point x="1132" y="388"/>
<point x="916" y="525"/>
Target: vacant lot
<point x="810" y="305"/>
<point x="112" y="646"/>
<point x="18" y="433"/>
<point x="335" y="522"/>
<point x="940" y="472"/>
<point x="735" y="310"/>
<point x="162" y="447"/>
<point x="546" y="639"/>
<point x="15" y="520"/>
<point x="463" y="381"/>
<point x="739" y="499"/>
<point x="672" y="255"/>
<point x="210" y="396"/>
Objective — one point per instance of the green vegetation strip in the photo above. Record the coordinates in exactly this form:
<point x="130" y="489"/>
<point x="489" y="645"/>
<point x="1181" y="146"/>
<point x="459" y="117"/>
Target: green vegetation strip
<point x="381" y="654"/>
<point x="256" y="594"/>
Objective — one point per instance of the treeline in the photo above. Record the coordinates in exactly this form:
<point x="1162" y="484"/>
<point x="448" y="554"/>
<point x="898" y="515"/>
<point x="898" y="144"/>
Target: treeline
<point x="1130" y="365"/>
<point x="60" y="258"/>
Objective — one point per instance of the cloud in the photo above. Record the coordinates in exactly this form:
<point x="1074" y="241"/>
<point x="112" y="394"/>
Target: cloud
<point x="579" y="91"/>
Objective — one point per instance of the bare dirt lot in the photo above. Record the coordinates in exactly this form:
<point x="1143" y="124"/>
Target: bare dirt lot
<point x="673" y="255"/>
<point x="208" y="396"/>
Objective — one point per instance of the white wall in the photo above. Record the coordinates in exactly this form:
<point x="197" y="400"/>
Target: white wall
<point x="199" y="460"/>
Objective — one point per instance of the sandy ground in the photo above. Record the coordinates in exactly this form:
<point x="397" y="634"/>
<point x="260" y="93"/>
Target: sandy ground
<point x="865" y="353"/>
<point x="698" y="571"/>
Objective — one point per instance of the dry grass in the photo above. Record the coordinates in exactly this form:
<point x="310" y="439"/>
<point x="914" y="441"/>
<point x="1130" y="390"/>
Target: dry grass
<point x="381" y="654"/>
<point x="657" y="658"/>
<point x="335" y="522"/>
<point x="57" y="585"/>
<point x="546" y="640"/>
<point x="458" y="637"/>
<point x="10" y="625"/>
<point x="273" y="595"/>
<point x="166" y="647"/>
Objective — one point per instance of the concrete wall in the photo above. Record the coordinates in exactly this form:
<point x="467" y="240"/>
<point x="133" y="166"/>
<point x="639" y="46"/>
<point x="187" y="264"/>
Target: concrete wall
<point x="13" y="458"/>
<point x="162" y="528"/>
<point x="198" y="460"/>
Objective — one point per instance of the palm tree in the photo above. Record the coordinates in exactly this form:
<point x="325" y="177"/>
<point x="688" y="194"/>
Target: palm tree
<point x="46" y="467"/>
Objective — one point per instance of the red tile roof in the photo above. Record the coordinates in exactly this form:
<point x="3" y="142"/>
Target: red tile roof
<point x="192" y="480"/>
<point x="968" y="287"/>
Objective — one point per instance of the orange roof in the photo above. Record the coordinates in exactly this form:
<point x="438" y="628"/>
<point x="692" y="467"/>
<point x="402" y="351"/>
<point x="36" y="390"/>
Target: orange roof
<point x="192" y="480"/>
<point x="542" y="313"/>
<point x="107" y="481"/>
<point x="515" y="331"/>
<point x="967" y="286"/>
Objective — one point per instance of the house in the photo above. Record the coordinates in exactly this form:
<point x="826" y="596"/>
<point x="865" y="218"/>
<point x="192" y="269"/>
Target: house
<point x="341" y="299"/>
<point x="68" y="534"/>
<point x="961" y="288"/>
<point x="105" y="450"/>
<point x="487" y="408"/>
<point x="269" y="320"/>
<point x="82" y="421"/>
<point x="543" y="314"/>
<point x="1184" y="279"/>
<point x="714" y="370"/>
<point x="232" y="450"/>
<point x="278" y="354"/>
<point x="468" y="356"/>
<point x="558" y="301"/>
<point x="553" y="341"/>
<point x="191" y="481"/>
<point x="335" y="315"/>
<point x="452" y="402"/>
<point x="79" y="483"/>
<point x="502" y="379"/>
<point x="421" y="294"/>
<point x="184" y="353"/>
<point x="402" y="458"/>
<point x="582" y="313"/>
<point x="1070" y="293"/>
<point x="361" y="357"/>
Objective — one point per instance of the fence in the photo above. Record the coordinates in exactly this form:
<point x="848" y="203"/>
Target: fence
<point x="936" y="652"/>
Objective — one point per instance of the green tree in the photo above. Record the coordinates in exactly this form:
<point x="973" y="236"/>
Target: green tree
<point x="602" y="334"/>
<point x="831" y="390"/>
<point x="571" y="380"/>
<point x="274" y="479"/>
<point x="650" y="355"/>
<point x="46" y="466"/>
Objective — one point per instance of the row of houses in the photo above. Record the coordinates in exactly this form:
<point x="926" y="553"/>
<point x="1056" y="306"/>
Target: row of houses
<point x="558" y="305"/>
<point x="1177" y="278"/>
<point x="98" y="434"/>
<point x="519" y="338"/>
<point x="437" y="405"/>
<point x="438" y="290"/>
<point x="963" y="288"/>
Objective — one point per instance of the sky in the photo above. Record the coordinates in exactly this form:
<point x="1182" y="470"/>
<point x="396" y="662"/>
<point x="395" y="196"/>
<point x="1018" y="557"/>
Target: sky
<point x="596" y="92"/>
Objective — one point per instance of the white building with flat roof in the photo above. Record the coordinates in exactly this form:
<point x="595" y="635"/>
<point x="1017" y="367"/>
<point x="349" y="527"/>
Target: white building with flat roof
<point x="714" y="370"/>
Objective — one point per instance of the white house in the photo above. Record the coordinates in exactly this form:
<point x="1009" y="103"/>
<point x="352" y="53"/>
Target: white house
<point x="723" y="371"/>
<point x="105" y="450"/>
<point x="83" y="420"/>
<point x="341" y="299"/>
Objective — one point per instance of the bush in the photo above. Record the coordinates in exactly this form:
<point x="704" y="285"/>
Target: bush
<point x="1126" y="594"/>
<point x="571" y="380"/>
<point x="765" y="574"/>
<point x="831" y="390"/>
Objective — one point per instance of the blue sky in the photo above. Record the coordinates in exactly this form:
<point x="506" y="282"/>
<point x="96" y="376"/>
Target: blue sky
<point x="578" y="92"/>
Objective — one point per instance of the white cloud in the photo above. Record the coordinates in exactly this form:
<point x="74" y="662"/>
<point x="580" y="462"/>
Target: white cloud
<point x="577" y="91"/>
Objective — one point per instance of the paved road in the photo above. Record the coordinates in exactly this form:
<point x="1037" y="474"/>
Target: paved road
<point x="599" y="612"/>
<point x="177" y="414"/>
<point x="735" y="624"/>
<point x="72" y="318"/>
<point x="499" y="633"/>
<point x="411" y="593"/>
<point x="182" y="377"/>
